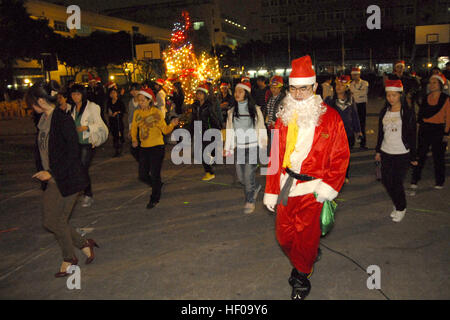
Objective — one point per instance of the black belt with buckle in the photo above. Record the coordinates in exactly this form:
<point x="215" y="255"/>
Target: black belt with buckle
<point x="301" y="177"/>
<point x="284" y="192"/>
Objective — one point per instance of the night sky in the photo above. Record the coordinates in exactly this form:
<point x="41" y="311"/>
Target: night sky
<point x="233" y="8"/>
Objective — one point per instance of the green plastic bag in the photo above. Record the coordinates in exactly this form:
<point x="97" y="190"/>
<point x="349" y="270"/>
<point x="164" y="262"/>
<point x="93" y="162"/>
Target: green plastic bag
<point x="327" y="215"/>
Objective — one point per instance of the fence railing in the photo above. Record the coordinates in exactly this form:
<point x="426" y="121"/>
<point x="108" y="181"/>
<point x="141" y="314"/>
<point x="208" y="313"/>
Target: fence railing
<point x="14" y="109"/>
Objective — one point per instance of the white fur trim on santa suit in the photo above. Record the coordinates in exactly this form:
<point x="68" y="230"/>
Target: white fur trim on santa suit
<point x="270" y="199"/>
<point x="302" y="81"/>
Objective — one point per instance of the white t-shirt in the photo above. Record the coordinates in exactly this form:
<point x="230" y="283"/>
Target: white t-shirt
<point x="392" y="127"/>
<point x="359" y="91"/>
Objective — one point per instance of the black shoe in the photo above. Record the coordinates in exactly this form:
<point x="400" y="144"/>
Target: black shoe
<point x="300" y="285"/>
<point x="152" y="204"/>
<point x="319" y="255"/>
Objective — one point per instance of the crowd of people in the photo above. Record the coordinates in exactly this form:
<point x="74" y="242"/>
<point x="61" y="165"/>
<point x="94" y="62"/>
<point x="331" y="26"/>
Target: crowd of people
<point x="314" y="136"/>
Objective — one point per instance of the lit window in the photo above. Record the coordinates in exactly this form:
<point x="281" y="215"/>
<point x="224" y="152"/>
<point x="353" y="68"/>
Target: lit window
<point x="198" y="25"/>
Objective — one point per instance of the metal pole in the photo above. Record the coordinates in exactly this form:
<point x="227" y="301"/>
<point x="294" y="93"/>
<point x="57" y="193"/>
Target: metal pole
<point x="343" y="50"/>
<point x="289" y="43"/>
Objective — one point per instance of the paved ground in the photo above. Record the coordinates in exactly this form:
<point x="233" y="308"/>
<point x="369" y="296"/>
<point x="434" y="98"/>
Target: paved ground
<point x="197" y="243"/>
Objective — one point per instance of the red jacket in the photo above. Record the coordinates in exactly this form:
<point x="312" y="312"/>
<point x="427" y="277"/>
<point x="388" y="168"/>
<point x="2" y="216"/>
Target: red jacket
<point x="327" y="160"/>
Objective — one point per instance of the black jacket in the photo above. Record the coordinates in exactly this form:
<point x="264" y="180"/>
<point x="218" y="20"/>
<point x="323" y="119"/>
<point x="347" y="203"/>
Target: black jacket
<point x="409" y="129"/>
<point x="63" y="155"/>
<point x="206" y="114"/>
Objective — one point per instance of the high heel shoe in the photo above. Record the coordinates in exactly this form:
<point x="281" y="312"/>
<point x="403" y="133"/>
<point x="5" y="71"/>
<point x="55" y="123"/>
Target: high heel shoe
<point x="90" y="244"/>
<point x="61" y="274"/>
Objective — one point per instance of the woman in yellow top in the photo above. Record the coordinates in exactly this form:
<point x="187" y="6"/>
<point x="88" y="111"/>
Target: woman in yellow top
<point x="149" y="120"/>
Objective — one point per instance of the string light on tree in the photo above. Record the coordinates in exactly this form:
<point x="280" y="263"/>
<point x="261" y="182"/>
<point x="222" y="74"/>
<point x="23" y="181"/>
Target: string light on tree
<point x="182" y="63"/>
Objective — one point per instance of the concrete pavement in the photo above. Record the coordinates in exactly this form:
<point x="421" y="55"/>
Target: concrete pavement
<point x="198" y="244"/>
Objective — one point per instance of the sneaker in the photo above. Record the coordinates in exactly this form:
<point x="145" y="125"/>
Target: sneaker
<point x="438" y="187"/>
<point x="393" y="213"/>
<point x="256" y="192"/>
<point x="249" y="208"/>
<point x="399" y="215"/>
<point x="87" y="202"/>
<point x="208" y="176"/>
<point x="412" y="189"/>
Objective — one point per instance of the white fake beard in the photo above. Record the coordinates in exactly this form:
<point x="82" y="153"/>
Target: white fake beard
<point x="308" y="111"/>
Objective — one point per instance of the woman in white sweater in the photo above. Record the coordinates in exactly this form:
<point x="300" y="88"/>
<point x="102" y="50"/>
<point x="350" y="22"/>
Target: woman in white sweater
<point x="246" y="133"/>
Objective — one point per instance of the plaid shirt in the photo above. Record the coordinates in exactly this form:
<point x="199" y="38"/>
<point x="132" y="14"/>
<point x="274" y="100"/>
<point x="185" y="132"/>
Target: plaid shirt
<point x="272" y="108"/>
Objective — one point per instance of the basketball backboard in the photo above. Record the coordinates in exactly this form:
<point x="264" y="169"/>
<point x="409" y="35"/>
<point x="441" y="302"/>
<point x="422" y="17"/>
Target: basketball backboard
<point x="148" y="51"/>
<point x="433" y="34"/>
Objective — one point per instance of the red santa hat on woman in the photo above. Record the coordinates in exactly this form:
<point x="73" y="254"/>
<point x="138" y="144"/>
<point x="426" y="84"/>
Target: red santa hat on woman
<point x="402" y="62"/>
<point x="147" y="92"/>
<point x="440" y="77"/>
<point x="356" y="70"/>
<point x="224" y="85"/>
<point x="302" y="73"/>
<point x="161" y="82"/>
<point x="345" y="79"/>
<point x="204" y="88"/>
<point x="245" y="85"/>
<point x="111" y="85"/>
<point x="394" y="85"/>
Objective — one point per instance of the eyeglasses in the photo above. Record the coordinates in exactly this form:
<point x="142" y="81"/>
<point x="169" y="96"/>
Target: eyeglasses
<point x="299" y="89"/>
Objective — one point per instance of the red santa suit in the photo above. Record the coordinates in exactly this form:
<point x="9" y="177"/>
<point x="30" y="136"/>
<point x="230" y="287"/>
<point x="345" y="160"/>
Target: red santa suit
<point x="318" y="149"/>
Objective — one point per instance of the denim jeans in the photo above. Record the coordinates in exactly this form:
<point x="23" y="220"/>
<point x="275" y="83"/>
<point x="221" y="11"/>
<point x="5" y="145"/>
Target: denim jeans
<point x="246" y="165"/>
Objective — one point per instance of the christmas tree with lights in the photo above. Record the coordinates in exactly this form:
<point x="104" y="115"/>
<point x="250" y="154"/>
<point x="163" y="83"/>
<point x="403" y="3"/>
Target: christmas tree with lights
<point x="182" y="64"/>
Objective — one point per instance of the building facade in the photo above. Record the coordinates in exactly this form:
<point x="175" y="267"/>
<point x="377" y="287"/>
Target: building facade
<point x="27" y="72"/>
<point x="214" y="16"/>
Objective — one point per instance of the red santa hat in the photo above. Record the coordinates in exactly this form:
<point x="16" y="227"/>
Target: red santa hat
<point x="161" y="82"/>
<point x="402" y="62"/>
<point x="344" y="79"/>
<point x="245" y="79"/>
<point x="204" y="88"/>
<point x="224" y="85"/>
<point x="356" y="70"/>
<point x="276" y="81"/>
<point x="440" y="77"/>
<point x="147" y="92"/>
<point x="98" y="80"/>
<point x="394" y="85"/>
<point x="302" y="72"/>
<point x="111" y="85"/>
<point x="245" y="85"/>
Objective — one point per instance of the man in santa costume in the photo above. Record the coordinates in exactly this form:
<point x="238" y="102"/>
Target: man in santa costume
<point x="313" y="155"/>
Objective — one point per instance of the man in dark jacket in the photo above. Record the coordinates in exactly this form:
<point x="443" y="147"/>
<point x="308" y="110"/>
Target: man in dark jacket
<point x="204" y="110"/>
<point x="259" y="93"/>
<point x="410" y="85"/>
